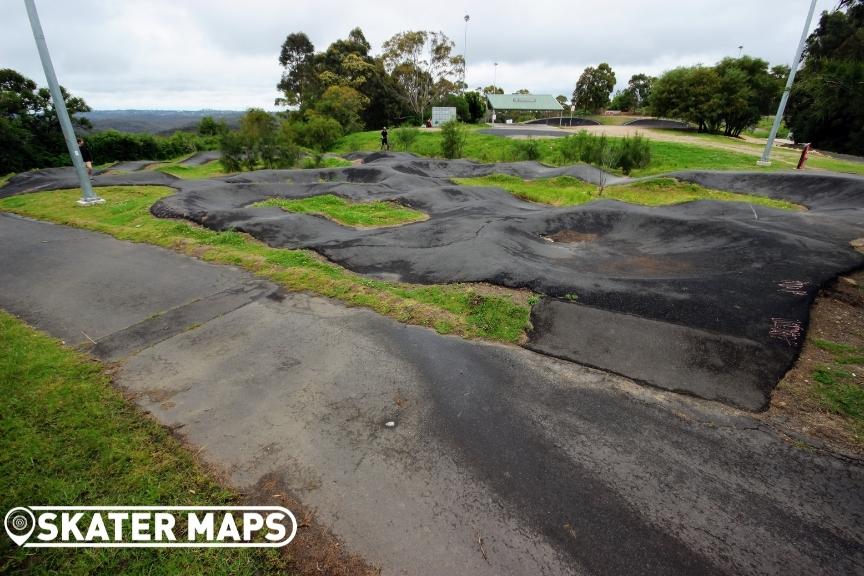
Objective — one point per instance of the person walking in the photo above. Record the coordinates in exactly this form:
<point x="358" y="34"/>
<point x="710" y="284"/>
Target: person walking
<point x="385" y="143"/>
<point x="86" y="157"/>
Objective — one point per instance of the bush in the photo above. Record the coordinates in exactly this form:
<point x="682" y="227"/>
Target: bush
<point x="320" y="133"/>
<point x="627" y="154"/>
<point x="232" y="152"/>
<point x="633" y="153"/>
<point x="528" y="149"/>
<point x="453" y="137"/>
<point x="405" y="136"/>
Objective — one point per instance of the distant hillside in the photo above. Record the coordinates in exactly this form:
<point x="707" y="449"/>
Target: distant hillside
<point x="156" y="121"/>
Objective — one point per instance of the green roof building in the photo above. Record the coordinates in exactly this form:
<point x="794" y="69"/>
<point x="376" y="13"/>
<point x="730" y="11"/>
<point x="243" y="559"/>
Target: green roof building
<point x="506" y="107"/>
<point x="524" y="102"/>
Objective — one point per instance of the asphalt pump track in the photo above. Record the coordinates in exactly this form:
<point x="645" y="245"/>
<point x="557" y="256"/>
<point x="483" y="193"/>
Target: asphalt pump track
<point x="705" y="298"/>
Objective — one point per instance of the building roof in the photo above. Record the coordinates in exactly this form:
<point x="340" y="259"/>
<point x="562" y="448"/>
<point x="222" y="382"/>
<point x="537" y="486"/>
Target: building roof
<point x="524" y="102"/>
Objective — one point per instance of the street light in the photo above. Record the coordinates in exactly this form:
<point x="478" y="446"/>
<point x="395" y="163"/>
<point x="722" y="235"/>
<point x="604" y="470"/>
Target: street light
<point x="740" y="52"/>
<point x="88" y="197"/>
<point x="766" y="155"/>
<point x="465" y="52"/>
<point x="495" y="78"/>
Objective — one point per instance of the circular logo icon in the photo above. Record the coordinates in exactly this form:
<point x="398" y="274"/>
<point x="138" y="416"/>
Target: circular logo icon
<point x="20" y="524"/>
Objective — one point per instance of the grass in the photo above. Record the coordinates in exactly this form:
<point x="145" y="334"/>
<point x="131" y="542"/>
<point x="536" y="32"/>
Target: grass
<point x="358" y="214"/>
<point x="835" y="384"/>
<point x="67" y="438"/>
<point x="567" y="191"/>
<point x="462" y="309"/>
<point x="763" y="128"/>
<point x="5" y="179"/>
<point x="665" y="156"/>
<point x="327" y="162"/>
<point x="209" y="170"/>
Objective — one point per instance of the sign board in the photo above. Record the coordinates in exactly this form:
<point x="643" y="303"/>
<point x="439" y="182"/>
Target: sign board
<point x="440" y="115"/>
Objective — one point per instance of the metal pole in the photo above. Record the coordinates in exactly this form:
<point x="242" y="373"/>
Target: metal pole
<point x="465" y="52"/>
<point x="88" y="197"/>
<point x="766" y="155"/>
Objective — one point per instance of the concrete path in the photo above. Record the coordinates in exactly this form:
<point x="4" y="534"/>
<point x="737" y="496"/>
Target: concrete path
<point x="501" y="461"/>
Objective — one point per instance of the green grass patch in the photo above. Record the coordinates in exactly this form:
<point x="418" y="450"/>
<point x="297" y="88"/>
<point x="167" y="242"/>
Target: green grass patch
<point x="310" y="162"/>
<point x="559" y="191"/>
<point x="209" y="170"/>
<point x="67" y="438"/>
<point x="6" y="178"/>
<point x="567" y="191"/>
<point x="665" y="156"/>
<point x="840" y="394"/>
<point x="358" y="214"/>
<point x="460" y="309"/>
<point x="763" y="128"/>
<point x="835" y="383"/>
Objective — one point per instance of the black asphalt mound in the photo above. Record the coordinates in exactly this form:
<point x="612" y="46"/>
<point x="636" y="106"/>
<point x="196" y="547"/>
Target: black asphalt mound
<point x="565" y="121"/>
<point x="525" y="131"/>
<point x="59" y="178"/>
<point x="706" y="298"/>
<point x="202" y="158"/>
<point x="660" y="124"/>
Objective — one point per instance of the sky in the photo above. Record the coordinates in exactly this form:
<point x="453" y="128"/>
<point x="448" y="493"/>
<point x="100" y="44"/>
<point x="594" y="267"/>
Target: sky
<point x="223" y="54"/>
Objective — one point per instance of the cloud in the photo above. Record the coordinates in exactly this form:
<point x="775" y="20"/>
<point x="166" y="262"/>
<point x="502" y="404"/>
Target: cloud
<point x="223" y="54"/>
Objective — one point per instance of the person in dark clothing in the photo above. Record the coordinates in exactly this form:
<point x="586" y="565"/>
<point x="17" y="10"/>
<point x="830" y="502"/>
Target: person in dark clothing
<point x="86" y="157"/>
<point x="385" y="144"/>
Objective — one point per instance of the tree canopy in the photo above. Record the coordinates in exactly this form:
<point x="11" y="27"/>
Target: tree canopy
<point x="594" y="87"/>
<point x="730" y="96"/>
<point x="30" y="134"/>
<point x="826" y="107"/>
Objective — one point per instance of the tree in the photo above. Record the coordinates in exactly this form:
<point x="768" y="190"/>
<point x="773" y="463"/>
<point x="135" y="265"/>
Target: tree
<point x="29" y="128"/>
<point x="210" y="127"/>
<point x="344" y="104"/>
<point x="561" y="99"/>
<point x="493" y="90"/>
<point x="640" y="88"/>
<point x="296" y="58"/>
<point x="423" y="66"/>
<point x="826" y="107"/>
<point x="688" y="93"/>
<point x="624" y="100"/>
<point x="594" y="87"/>
<point x="523" y="91"/>
<point x="476" y="106"/>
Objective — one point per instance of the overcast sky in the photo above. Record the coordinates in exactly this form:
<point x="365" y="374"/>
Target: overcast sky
<point x="223" y="54"/>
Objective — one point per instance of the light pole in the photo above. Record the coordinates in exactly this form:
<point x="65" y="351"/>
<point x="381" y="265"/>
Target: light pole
<point x="740" y="52"/>
<point x="495" y="77"/>
<point x="88" y="197"/>
<point x="766" y="155"/>
<point x="465" y="51"/>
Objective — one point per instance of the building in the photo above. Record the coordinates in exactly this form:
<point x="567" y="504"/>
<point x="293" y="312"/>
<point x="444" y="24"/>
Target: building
<point x="504" y="106"/>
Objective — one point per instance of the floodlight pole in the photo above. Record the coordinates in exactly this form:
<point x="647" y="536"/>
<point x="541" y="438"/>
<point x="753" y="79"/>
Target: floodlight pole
<point x="88" y="197"/>
<point x="766" y="155"/>
<point x="465" y="52"/>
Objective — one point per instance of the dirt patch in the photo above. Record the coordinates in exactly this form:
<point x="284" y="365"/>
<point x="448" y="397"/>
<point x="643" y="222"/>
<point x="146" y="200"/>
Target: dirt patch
<point x="645" y="265"/>
<point x="315" y="550"/>
<point x="837" y="316"/>
<point x="571" y="237"/>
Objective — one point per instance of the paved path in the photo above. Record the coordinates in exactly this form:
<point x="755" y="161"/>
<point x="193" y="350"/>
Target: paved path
<point x="558" y="469"/>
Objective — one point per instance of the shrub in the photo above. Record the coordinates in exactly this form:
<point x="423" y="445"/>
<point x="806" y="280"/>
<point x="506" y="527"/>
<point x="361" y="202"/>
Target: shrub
<point x="405" y="136"/>
<point x="232" y="152"/>
<point x="633" y="153"/>
<point x="453" y="137"/>
<point x="528" y="149"/>
<point x="320" y="133"/>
